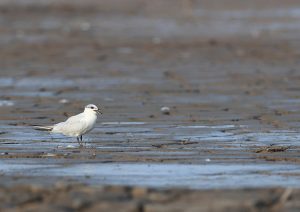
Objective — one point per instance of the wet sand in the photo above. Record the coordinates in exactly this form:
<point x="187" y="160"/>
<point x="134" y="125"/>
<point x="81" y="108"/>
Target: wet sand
<point x="63" y="197"/>
<point x="228" y="72"/>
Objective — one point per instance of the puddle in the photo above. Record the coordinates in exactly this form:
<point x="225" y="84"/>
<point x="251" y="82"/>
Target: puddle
<point x="211" y="127"/>
<point x="6" y="82"/>
<point x="208" y="176"/>
<point x="14" y="168"/>
<point x="43" y="82"/>
<point x="122" y="123"/>
<point x="179" y="175"/>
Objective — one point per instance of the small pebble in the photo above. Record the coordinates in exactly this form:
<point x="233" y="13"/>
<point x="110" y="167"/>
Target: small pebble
<point x="64" y="101"/>
<point x="50" y="155"/>
<point x="165" y="110"/>
<point x="207" y="160"/>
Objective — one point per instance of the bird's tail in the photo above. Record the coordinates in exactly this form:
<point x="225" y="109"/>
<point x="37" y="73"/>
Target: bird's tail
<point x="43" y="128"/>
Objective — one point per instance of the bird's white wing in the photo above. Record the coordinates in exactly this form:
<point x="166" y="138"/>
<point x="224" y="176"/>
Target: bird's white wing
<point x="73" y="126"/>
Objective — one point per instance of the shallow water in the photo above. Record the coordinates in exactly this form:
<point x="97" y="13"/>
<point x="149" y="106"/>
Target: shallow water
<point x="188" y="148"/>
<point x="226" y="71"/>
<point x="202" y="176"/>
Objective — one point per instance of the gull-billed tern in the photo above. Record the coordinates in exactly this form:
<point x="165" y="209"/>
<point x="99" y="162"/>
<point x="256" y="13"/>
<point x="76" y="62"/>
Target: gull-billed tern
<point x="75" y="126"/>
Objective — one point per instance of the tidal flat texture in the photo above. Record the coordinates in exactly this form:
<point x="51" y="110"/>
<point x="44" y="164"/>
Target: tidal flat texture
<point x="200" y="102"/>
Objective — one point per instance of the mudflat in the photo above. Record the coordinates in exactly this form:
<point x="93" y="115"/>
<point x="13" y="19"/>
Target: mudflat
<point x="227" y="71"/>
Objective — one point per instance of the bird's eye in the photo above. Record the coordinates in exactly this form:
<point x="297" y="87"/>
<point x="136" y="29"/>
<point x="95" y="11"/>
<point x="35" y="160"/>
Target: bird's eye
<point x="92" y="107"/>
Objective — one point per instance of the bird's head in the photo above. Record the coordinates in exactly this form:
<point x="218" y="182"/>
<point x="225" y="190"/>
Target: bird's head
<point x="92" y="108"/>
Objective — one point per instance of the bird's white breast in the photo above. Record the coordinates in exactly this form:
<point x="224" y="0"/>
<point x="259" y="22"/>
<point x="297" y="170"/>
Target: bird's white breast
<point x="90" y="122"/>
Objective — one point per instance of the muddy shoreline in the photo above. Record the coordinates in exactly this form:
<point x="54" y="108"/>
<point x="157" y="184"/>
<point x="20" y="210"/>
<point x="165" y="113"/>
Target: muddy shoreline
<point x="228" y="72"/>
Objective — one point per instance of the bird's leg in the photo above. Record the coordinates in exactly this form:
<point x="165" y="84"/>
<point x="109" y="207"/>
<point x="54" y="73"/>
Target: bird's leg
<point x="81" y="143"/>
<point x="78" y="140"/>
<point x="81" y="140"/>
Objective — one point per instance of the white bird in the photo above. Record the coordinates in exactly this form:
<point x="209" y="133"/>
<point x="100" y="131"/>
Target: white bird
<point x="75" y="126"/>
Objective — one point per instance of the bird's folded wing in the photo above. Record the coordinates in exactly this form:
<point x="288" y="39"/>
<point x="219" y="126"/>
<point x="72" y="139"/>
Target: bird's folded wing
<point x="73" y="125"/>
